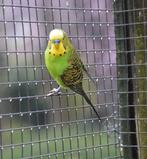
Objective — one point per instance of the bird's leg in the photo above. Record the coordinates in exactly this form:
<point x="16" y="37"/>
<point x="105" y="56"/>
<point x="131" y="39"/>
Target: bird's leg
<point x="54" y="91"/>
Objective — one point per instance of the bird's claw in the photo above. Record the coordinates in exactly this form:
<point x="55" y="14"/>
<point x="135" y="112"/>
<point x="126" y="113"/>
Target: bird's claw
<point x="54" y="91"/>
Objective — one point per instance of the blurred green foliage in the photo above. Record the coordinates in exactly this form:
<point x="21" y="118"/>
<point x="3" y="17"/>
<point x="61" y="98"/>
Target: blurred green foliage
<point x="58" y="141"/>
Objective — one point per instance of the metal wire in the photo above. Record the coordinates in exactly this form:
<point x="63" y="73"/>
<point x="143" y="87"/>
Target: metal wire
<point x="132" y="76"/>
<point x="33" y="125"/>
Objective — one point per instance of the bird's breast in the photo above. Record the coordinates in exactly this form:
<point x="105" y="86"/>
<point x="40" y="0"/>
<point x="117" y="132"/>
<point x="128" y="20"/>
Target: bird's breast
<point x="57" y="65"/>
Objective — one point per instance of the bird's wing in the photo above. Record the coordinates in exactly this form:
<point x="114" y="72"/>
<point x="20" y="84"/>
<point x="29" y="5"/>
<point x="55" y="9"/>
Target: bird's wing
<point x="84" y="69"/>
<point x="73" y="75"/>
<point x="72" y="78"/>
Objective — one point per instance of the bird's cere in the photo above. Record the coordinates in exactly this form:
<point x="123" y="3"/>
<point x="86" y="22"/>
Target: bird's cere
<point x="56" y="42"/>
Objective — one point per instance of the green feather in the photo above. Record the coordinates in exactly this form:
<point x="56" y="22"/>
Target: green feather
<point x="56" y="66"/>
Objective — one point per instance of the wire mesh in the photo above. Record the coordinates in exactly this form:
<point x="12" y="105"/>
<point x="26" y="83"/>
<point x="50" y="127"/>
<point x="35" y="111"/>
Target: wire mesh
<point x="33" y="125"/>
<point x="130" y="18"/>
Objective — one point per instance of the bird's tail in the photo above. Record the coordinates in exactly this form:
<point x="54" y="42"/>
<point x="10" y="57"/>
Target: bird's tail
<point x="89" y="102"/>
<point x="78" y="89"/>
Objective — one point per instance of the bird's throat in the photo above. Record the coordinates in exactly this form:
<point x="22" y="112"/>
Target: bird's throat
<point x="58" y="50"/>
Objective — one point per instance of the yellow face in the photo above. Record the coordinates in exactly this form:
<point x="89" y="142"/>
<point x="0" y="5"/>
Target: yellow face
<point x="56" y="41"/>
<point x="56" y="36"/>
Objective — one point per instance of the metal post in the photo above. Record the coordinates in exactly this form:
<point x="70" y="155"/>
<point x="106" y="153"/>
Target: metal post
<point x="125" y="81"/>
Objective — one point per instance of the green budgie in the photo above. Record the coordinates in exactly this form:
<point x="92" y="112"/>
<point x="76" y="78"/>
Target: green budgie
<point x="65" y="65"/>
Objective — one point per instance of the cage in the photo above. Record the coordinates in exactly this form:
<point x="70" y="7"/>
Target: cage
<point x="110" y="37"/>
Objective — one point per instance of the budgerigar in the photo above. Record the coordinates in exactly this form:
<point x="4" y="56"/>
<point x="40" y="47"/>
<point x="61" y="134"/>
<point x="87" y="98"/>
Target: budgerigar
<point x="65" y="65"/>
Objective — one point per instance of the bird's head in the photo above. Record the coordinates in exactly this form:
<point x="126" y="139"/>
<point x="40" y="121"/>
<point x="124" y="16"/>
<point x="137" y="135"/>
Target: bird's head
<point x="56" y="38"/>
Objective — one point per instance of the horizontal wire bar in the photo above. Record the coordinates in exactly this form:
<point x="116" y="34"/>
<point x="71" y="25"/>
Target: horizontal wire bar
<point x="92" y="36"/>
<point x="57" y="138"/>
<point x="101" y="51"/>
<point x="45" y="95"/>
<point x="77" y="121"/>
<point x="128" y="132"/>
<point x="131" y="119"/>
<point x="53" y="110"/>
<point x="134" y="105"/>
<point x="55" y="8"/>
<point x="129" y="146"/>
<point x="46" y="37"/>
<point x="41" y="52"/>
<point x="76" y="22"/>
<point x="76" y="8"/>
<point x="130" y="78"/>
<point x="19" y="83"/>
<point x="130" y="10"/>
<point x="54" y="22"/>
<point x="108" y="131"/>
<point x="129" y="24"/>
<point x="70" y="151"/>
<point x="91" y="64"/>
<point x="44" y="67"/>
<point x="130" y="92"/>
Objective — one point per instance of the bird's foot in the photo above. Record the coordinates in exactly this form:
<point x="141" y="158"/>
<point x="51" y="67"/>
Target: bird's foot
<point x="54" y="91"/>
